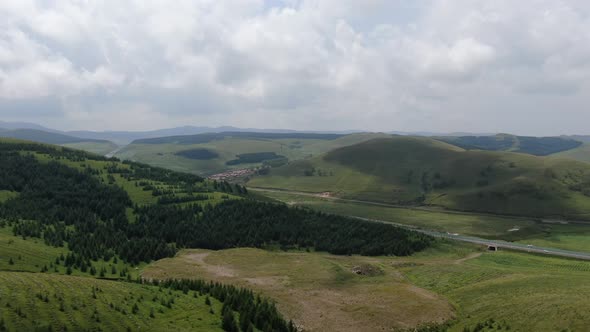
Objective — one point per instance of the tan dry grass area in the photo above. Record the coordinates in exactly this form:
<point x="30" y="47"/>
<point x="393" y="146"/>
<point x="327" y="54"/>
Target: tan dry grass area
<point x="318" y="291"/>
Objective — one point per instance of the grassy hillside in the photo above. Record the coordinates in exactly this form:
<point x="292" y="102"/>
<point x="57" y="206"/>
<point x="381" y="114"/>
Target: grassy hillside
<point x="319" y="291"/>
<point x="53" y="300"/>
<point x="101" y="148"/>
<point x="539" y="146"/>
<point x="42" y="302"/>
<point x="213" y="153"/>
<point x="581" y="153"/>
<point x="97" y="146"/>
<point x="581" y="138"/>
<point x="423" y="171"/>
<point x="508" y="291"/>
<point x="44" y="136"/>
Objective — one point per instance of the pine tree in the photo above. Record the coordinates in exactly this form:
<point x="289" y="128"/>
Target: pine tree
<point x="250" y="328"/>
<point x="228" y="322"/>
<point x="244" y="320"/>
<point x="11" y="261"/>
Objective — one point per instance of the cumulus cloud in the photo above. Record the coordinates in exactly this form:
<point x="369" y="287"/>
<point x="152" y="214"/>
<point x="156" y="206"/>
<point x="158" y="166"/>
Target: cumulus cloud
<point x="436" y="65"/>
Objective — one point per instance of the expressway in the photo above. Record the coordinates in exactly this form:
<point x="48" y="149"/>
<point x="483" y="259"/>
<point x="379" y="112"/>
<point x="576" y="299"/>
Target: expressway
<point x="500" y="244"/>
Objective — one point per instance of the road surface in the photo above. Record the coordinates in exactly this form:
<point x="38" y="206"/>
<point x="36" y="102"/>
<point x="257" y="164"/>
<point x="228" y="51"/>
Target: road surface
<point x="451" y="236"/>
<point x="112" y="153"/>
<point x="500" y="244"/>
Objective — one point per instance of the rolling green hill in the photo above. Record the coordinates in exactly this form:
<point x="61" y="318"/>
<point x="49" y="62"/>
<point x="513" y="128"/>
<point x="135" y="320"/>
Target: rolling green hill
<point x="49" y="302"/>
<point x="581" y="153"/>
<point x="100" y="148"/>
<point x="208" y="154"/>
<point x="538" y="146"/>
<point x="39" y="293"/>
<point x="581" y="138"/>
<point x="423" y="171"/>
<point x="97" y="146"/>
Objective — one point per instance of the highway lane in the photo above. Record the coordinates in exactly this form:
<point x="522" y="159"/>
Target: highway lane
<point x="500" y="244"/>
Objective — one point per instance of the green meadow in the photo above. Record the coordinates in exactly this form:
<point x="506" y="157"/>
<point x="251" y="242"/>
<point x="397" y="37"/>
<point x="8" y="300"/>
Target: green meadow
<point x="49" y="302"/>
<point x="462" y="285"/>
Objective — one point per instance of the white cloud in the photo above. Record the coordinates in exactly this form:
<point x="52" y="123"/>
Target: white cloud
<point x="307" y="64"/>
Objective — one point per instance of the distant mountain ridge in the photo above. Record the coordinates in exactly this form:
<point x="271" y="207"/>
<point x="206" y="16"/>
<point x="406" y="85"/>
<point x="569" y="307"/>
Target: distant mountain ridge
<point x="126" y="137"/>
<point x="24" y="125"/>
<point x="207" y="137"/>
<point x="538" y="146"/>
<point x="45" y="136"/>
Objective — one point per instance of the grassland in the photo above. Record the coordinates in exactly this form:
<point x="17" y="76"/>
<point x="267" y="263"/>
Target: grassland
<point x="317" y="290"/>
<point x="54" y="300"/>
<point x="101" y="148"/>
<point x="525" y="292"/>
<point x="569" y="237"/>
<point x="165" y="154"/>
<point x="37" y="301"/>
<point x="6" y="194"/>
<point x="422" y="171"/>
<point x="581" y="153"/>
<point x="520" y="292"/>
<point x="27" y="255"/>
<point x="481" y="225"/>
<point x="32" y="255"/>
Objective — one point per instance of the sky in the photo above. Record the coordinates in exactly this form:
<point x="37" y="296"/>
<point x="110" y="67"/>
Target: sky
<point x="511" y="66"/>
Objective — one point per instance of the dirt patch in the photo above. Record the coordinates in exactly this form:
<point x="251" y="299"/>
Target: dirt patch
<point x="468" y="257"/>
<point x="405" y="264"/>
<point x="423" y="292"/>
<point x="217" y="270"/>
<point x="360" y="309"/>
<point x="268" y="281"/>
<point x="367" y="270"/>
